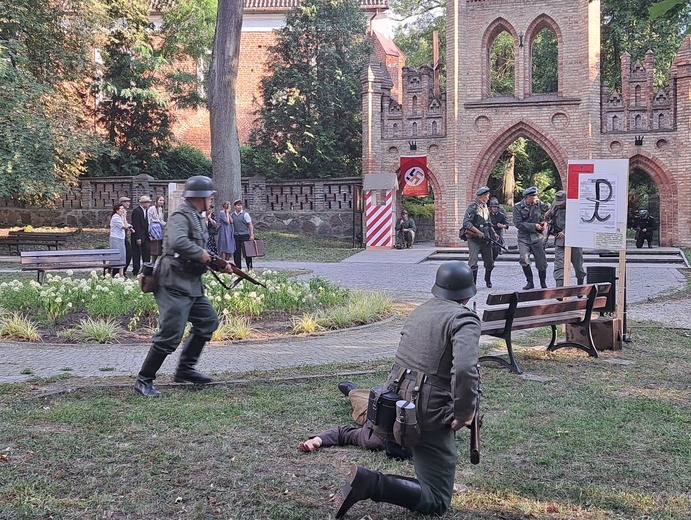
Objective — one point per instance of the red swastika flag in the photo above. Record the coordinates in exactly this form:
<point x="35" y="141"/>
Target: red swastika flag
<point x="413" y="176"/>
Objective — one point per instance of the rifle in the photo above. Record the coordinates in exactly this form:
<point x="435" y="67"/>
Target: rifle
<point x="488" y="238"/>
<point x="220" y="264"/>
<point x="475" y="432"/>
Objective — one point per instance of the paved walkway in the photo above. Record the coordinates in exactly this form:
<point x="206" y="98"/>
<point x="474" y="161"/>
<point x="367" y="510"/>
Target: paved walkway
<point x="402" y="274"/>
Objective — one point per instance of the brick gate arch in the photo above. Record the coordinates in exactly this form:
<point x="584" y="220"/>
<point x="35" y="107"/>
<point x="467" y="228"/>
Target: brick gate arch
<point x="669" y="193"/>
<point x="497" y="145"/>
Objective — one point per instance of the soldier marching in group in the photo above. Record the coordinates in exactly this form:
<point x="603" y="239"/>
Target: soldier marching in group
<point x="529" y="221"/>
<point x="557" y="214"/>
<point x="478" y="228"/>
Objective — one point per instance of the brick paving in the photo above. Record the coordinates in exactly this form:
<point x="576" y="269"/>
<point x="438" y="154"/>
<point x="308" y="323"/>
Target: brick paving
<point x="404" y="275"/>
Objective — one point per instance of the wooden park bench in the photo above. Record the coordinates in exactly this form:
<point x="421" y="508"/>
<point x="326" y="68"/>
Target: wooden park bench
<point x="18" y="240"/>
<point x="42" y="261"/>
<point x="535" y="308"/>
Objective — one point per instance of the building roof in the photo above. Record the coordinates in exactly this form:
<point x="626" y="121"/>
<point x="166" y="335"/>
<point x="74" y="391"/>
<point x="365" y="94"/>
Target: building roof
<point x="287" y="5"/>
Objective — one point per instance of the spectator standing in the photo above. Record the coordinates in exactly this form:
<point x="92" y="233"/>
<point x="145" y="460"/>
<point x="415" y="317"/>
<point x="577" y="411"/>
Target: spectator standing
<point x="478" y="228"/>
<point x="156" y="226"/>
<point x="557" y="215"/>
<point x="180" y="293"/>
<point x="128" y="232"/>
<point x="436" y="362"/>
<point x="212" y="228"/>
<point x="226" y="236"/>
<point x="140" y="237"/>
<point x="244" y="231"/>
<point x="118" y="227"/>
<point x="529" y="221"/>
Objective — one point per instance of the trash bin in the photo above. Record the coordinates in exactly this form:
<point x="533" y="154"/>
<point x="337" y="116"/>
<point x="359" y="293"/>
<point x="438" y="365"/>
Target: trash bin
<point x="595" y="274"/>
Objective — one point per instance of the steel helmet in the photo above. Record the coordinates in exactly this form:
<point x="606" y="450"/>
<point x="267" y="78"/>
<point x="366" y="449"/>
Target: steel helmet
<point x="454" y="281"/>
<point x="198" y="186"/>
<point x="643" y="213"/>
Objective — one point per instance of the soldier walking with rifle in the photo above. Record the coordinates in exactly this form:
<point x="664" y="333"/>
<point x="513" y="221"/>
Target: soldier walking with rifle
<point x="557" y="217"/>
<point x="480" y="233"/>
<point x="436" y="368"/>
<point x="529" y="221"/>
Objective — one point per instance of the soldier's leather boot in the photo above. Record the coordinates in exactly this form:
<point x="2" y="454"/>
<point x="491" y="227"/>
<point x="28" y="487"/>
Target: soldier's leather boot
<point x="528" y="272"/>
<point x="191" y="351"/>
<point x="579" y="280"/>
<point x="144" y="385"/>
<point x="364" y="484"/>
<point x="543" y="279"/>
<point x="475" y="276"/>
<point x="345" y="387"/>
<point x="488" y="278"/>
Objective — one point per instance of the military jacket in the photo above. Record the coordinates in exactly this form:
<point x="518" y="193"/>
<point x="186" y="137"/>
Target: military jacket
<point x="499" y="218"/>
<point x="477" y="215"/>
<point x="558" y="224"/>
<point x="525" y="217"/>
<point x="441" y="338"/>
<point x="185" y="236"/>
<point x="408" y="223"/>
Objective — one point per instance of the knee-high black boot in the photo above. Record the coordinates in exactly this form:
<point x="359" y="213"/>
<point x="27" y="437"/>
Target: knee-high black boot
<point x="528" y="272"/>
<point x="543" y="279"/>
<point x="488" y="278"/>
<point x="475" y="275"/>
<point x="145" y="380"/>
<point x="364" y="484"/>
<point x="191" y="351"/>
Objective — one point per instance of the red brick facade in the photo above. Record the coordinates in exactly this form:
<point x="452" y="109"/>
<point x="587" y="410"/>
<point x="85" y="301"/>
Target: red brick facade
<point x="464" y="132"/>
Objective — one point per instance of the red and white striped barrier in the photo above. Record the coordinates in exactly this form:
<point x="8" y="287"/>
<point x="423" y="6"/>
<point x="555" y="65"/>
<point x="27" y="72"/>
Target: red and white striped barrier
<point x="379" y="218"/>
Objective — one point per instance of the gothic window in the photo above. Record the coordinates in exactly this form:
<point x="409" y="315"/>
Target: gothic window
<point x="615" y="123"/>
<point x="637" y="95"/>
<point x="434" y="128"/>
<point x="414" y="105"/>
<point x="394" y="130"/>
<point x="637" y="123"/>
<point x="545" y="61"/>
<point x="502" y="62"/>
<point x="414" y="128"/>
<point x="661" y="121"/>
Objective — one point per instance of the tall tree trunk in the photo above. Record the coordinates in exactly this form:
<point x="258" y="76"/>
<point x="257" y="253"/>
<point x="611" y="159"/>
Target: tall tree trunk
<point x="225" y="145"/>
<point x="509" y="182"/>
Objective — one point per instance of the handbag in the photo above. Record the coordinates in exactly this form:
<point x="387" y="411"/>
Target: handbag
<point x="155" y="231"/>
<point x="253" y="248"/>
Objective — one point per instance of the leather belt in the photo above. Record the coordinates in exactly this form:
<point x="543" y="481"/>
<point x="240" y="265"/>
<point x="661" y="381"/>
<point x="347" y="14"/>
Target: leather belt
<point x="439" y="382"/>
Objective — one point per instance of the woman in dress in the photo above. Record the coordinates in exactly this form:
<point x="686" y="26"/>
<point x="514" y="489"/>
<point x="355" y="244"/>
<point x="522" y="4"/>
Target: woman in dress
<point x="212" y="228"/>
<point x="156" y="225"/>
<point x="226" y="237"/>
<point x="118" y="225"/>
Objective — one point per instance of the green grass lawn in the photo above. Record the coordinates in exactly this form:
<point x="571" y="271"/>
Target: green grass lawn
<point x="598" y="440"/>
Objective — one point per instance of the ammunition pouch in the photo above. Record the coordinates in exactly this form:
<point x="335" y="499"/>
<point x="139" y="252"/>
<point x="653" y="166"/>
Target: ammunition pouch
<point x="381" y="409"/>
<point x="148" y="277"/>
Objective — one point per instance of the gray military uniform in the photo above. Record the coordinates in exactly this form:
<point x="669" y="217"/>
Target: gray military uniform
<point x="558" y="225"/>
<point x="529" y="239"/>
<point x="180" y="295"/>
<point x="440" y="339"/>
<point x="477" y="215"/>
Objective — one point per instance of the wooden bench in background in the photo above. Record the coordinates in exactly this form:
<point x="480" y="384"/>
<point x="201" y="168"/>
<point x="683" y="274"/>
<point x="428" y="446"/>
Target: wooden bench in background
<point x="535" y="308"/>
<point x="16" y="241"/>
<point x="42" y="261"/>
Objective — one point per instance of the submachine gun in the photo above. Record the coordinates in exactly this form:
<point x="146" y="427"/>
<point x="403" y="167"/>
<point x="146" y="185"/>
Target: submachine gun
<point x="217" y="262"/>
<point x="488" y="238"/>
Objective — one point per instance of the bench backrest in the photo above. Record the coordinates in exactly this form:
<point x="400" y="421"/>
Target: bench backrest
<point x="591" y="298"/>
<point x="77" y="256"/>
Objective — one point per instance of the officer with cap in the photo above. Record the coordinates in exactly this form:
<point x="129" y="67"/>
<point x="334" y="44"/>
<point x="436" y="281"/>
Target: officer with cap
<point x="527" y="217"/>
<point x="557" y="214"/>
<point x="180" y="293"/>
<point x="478" y="227"/>
<point x="500" y="222"/>
<point x="436" y="360"/>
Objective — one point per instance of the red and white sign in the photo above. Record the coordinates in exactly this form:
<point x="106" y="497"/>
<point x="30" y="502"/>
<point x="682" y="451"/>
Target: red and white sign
<point x="414" y="176"/>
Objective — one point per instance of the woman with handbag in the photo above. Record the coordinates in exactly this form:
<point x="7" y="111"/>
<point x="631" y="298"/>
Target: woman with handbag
<point x="118" y="226"/>
<point x="226" y="235"/>
<point x="156" y="225"/>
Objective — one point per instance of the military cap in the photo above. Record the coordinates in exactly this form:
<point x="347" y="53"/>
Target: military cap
<point x="482" y="190"/>
<point x="560" y="196"/>
<point x="530" y="191"/>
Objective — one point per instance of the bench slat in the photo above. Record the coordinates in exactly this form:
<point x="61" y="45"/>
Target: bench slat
<point x="543" y="310"/>
<point x="548" y="294"/>
<point x="497" y="327"/>
<point x="69" y="256"/>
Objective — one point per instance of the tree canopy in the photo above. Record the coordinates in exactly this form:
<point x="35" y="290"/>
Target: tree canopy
<point x="310" y="123"/>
